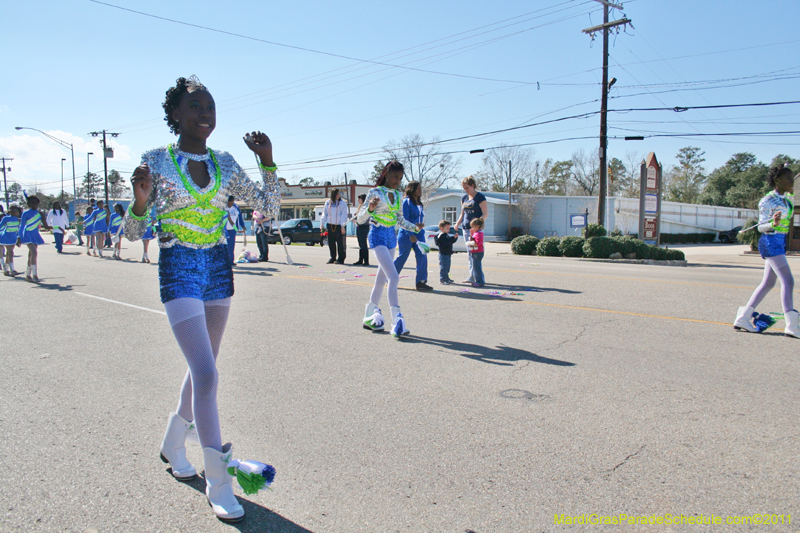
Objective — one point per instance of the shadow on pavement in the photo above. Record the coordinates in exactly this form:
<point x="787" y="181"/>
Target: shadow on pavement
<point x="257" y="517"/>
<point x="500" y="355"/>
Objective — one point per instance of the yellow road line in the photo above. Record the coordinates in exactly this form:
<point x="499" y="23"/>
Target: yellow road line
<point x="577" y="308"/>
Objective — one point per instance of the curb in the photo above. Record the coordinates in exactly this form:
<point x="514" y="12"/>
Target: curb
<point x="639" y="261"/>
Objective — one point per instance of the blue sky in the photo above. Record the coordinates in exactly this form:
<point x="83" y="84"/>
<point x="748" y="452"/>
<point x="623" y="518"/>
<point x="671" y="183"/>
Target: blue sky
<point x="72" y="67"/>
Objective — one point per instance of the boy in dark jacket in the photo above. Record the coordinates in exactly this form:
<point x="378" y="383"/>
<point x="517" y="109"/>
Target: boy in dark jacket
<point x="444" y="241"/>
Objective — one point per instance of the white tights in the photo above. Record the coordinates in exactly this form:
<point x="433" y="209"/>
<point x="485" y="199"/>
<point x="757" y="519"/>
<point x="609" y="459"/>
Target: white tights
<point x="775" y="268"/>
<point x="386" y="271"/>
<point x="198" y="327"/>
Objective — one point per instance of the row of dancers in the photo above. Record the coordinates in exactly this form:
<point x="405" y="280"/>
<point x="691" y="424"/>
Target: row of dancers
<point x="99" y="225"/>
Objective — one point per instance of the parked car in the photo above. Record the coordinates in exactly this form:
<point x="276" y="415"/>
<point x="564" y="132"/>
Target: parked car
<point x="299" y="230"/>
<point x="431" y="231"/>
<point x="729" y="236"/>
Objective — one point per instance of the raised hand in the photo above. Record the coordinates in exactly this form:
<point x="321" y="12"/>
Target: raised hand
<point x="373" y="204"/>
<point x="260" y="144"/>
<point x="142" y="183"/>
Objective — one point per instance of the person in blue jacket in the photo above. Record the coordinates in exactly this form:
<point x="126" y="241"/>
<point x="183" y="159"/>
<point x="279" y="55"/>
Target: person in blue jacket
<point x="414" y="212"/>
<point x="29" y="225"/>
<point x="88" y="228"/>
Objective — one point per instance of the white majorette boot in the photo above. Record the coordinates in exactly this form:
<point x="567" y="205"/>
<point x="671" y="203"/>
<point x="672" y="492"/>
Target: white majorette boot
<point x="219" y="485"/>
<point x="173" y="447"/>
<point x="11" y="271"/>
<point x="792" y="328"/>
<point x="34" y="274"/>
<point x="373" y="319"/>
<point x="398" y="323"/>
<point x="743" y="317"/>
<point x="28" y="274"/>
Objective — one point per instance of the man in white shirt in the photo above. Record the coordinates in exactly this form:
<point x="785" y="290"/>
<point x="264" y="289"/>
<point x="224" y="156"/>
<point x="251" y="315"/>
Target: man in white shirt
<point x="262" y="227"/>
<point x="58" y="219"/>
<point x="334" y="219"/>
<point x="234" y="225"/>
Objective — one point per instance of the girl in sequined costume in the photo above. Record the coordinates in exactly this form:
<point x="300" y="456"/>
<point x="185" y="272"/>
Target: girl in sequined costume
<point x="9" y="230"/>
<point x="383" y="209"/>
<point x="774" y="222"/>
<point x="187" y="186"/>
<point x="115" y="229"/>
<point x="29" y="225"/>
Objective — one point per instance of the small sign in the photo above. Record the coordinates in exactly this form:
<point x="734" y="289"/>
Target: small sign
<point x="649" y="228"/>
<point x="651" y="203"/>
<point x="312" y="193"/>
<point x="651" y="177"/>
<point x="577" y="221"/>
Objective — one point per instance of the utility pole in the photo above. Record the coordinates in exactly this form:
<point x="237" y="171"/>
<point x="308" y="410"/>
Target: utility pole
<point x="509" y="196"/>
<point x="5" y="183"/>
<point x="604" y="27"/>
<point x="105" y="154"/>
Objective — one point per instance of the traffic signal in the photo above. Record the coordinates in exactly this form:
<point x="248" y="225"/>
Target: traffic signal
<point x="610" y="175"/>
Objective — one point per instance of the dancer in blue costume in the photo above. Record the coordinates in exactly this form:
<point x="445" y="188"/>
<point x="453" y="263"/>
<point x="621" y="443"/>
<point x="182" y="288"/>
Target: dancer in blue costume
<point x="775" y="212"/>
<point x="382" y="208"/>
<point x="187" y="185"/>
<point x="9" y="231"/>
<point x="29" y="225"/>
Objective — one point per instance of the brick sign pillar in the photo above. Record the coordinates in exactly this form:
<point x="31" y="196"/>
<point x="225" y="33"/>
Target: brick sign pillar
<point x="650" y="200"/>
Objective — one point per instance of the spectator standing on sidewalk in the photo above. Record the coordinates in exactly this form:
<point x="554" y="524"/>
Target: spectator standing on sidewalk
<point x="262" y="227"/>
<point x="234" y="225"/>
<point x="334" y="218"/>
<point x="362" y="232"/>
<point x="473" y="205"/>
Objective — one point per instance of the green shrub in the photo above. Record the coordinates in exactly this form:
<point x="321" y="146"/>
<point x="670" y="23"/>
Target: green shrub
<point x="641" y="249"/>
<point x="515" y="232"/>
<point x="549" y="247"/>
<point x="616" y="233"/>
<point x="524" y="245"/>
<point x="750" y="236"/>
<point x="675" y="255"/>
<point x="624" y="246"/>
<point x="599" y="247"/>
<point x="571" y="246"/>
<point x="594" y="230"/>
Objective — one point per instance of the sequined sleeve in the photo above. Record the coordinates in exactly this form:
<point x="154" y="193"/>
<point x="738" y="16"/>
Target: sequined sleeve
<point x="264" y="197"/>
<point x="134" y="226"/>
<point x="405" y="224"/>
<point x="363" y="216"/>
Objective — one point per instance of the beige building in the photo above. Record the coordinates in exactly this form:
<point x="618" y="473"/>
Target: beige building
<point x="298" y="201"/>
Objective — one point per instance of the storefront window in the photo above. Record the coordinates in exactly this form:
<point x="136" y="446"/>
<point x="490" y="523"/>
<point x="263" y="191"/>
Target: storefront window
<point x="449" y="214"/>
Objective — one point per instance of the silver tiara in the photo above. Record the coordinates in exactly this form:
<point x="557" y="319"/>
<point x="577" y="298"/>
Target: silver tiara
<point x="194" y="82"/>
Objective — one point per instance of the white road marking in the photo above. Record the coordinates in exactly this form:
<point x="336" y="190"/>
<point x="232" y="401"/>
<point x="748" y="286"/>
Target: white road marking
<point x="121" y="303"/>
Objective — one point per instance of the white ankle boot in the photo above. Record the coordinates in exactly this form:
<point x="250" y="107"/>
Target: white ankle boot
<point x="398" y="323"/>
<point x="743" y="317"/>
<point x="173" y="448"/>
<point x="792" y="328"/>
<point x="373" y="319"/>
<point x="219" y="485"/>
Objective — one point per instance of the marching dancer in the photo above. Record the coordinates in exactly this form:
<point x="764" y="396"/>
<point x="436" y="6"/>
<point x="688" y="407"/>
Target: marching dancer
<point x="29" y="225"/>
<point x="115" y="229"/>
<point x="100" y="227"/>
<point x="774" y="222"/>
<point x="383" y="209"/>
<point x="9" y="230"/>
<point x="88" y="228"/>
<point x="188" y="184"/>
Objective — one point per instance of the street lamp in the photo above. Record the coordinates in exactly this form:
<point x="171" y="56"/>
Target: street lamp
<point x="65" y="144"/>
<point x="62" y="180"/>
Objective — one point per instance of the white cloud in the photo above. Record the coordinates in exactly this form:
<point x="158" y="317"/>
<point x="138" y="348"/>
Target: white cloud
<point x="37" y="159"/>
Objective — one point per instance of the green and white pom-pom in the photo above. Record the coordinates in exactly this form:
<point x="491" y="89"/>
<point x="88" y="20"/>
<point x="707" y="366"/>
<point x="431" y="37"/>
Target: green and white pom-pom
<point x="424" y="248"/>
<point x="252" y="476"/>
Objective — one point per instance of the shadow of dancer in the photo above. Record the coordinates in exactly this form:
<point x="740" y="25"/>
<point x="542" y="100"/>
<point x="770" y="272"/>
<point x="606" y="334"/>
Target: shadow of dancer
<point x="257" y="518"/>
<point x="499" y="355"/>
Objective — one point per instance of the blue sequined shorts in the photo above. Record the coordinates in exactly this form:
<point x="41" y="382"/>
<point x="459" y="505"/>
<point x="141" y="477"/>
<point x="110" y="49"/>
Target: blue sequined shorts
<point x="204" y="274"/>
<point x="772" y="244"/>
<point x="382" y="236"/>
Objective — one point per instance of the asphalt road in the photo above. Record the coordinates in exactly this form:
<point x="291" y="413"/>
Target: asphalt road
<point x="564" y="386"/>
